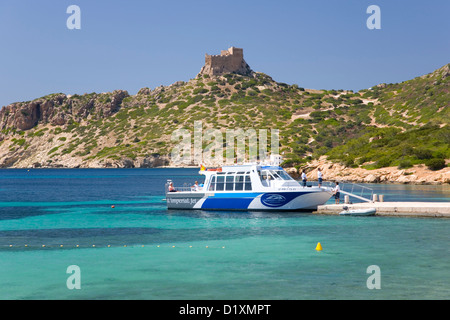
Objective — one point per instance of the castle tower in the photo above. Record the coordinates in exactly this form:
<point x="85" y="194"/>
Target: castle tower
<point x="229" y="61"/>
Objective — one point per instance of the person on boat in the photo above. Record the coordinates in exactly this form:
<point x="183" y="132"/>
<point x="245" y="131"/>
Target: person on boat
<point x="337" y="193"/>
<point x="304" y="179"/>
<point x="171" y="188"/>
<point x="319" y="177"/>
<point x="195" y="187"/>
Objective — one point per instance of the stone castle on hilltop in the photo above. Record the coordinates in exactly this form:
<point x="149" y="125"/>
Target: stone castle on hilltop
<point x="229" y="61"/>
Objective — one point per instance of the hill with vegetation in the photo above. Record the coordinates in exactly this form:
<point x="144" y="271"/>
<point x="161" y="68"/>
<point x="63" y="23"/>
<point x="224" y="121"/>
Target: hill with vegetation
<point x="389" y="125"/>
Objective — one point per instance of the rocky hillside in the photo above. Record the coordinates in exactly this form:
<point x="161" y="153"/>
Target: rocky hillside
<point x="390" y="125"/>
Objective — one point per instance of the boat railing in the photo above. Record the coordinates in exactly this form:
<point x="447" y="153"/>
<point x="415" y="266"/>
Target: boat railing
<point x="349" y="188"/>
<point x="326" y="184"/>
<point x="358" y="191"/>
<point x="185" y="188"/>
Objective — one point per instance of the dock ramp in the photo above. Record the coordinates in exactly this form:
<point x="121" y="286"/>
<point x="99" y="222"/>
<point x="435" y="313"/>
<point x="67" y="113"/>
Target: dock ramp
<point x="357" y="191"/>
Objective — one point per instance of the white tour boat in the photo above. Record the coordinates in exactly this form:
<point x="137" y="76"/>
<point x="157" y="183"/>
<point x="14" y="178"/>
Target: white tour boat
<point x="248" y="187"/>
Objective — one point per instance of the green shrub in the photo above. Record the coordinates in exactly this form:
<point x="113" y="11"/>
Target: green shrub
<point x="200" y="90"/>
<point x="350" y="162"/>
<point x="405" y="164"/>
<point x="435" y="164"/>
<point x="53" y="150"/>
<point x="423" y="154"/>
<point x="383" y="162"/>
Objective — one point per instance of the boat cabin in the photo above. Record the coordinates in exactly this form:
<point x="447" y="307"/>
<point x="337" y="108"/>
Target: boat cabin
<point x="247" y="178"/>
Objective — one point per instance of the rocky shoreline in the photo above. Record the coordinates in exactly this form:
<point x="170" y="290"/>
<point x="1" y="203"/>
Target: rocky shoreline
<point x="418" y="174"/>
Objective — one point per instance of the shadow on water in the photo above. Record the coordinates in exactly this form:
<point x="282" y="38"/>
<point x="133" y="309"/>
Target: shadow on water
<point x="102" y="237"/>
<point x="238" y="214"/>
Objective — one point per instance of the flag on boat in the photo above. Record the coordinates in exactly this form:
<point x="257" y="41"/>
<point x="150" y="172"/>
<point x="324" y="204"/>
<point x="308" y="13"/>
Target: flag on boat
<point x="202" y="168"/>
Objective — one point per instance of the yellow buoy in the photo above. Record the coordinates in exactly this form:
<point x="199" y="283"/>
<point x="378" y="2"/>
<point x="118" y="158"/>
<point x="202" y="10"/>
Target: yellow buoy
<point x="319" y="247"/>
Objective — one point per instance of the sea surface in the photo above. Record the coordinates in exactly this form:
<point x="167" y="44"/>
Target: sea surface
<point x="113" y="225"/>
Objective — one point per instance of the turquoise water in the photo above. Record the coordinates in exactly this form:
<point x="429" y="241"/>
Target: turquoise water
<point x="139" y="250"/>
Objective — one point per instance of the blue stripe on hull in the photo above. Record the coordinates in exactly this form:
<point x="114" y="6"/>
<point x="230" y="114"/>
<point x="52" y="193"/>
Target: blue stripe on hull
<point x="241" y="201"/>
<point x="227" y="203"/>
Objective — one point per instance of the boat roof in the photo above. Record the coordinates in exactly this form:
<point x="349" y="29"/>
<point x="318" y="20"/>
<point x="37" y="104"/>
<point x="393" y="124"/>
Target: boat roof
<point x="244" y="167"/>
<point x="271" y="168"/>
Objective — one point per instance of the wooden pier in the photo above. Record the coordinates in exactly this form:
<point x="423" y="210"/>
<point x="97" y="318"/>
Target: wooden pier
<point x="409" y="209"/>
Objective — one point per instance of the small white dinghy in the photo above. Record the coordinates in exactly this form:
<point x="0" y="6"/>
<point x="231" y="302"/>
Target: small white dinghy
<point x="358" y="212"/>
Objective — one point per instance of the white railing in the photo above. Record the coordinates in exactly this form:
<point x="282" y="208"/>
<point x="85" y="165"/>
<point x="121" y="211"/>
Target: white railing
<point x="349" y="188"/>
<point x="357" y="191"/>
<point x="185" y="188"/>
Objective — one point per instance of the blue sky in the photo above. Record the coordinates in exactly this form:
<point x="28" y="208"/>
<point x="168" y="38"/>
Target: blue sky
<point x="142" y="43"/>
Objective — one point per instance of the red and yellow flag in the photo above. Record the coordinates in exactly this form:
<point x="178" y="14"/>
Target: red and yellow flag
<point x="202" y="168"/>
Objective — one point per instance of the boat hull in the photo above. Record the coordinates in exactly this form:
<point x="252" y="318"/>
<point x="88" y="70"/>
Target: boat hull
<point x="270" y="201"/>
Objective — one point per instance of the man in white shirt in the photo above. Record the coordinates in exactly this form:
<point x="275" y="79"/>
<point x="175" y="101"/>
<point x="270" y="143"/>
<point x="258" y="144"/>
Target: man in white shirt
<point x="304" y="178"/>
<point x="195" y="187"/>
<point x="319" y="177"/>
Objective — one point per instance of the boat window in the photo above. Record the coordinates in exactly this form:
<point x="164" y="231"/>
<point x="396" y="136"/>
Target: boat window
<point x="248" y="183"/>
<point x="283" y="174"/>
<point x="220" y="183"/>
<point x="212" y="185"/>
<point x="239" y="183"/>
<point x="266" y="175"/>
<point x="229" y="184"/>
<point x="263" y="175"/>
<point x="275" y="175"/>
<point x="264" y="178"/>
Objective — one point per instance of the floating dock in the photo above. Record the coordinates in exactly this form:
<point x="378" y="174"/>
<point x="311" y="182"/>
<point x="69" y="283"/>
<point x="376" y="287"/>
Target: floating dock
<point x="407" y="209"/>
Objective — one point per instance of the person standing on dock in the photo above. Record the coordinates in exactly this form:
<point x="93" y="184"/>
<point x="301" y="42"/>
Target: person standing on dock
<point x="337" y="193"/>
<point x="304" y="179"/>
<point x="319" y="177"/>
